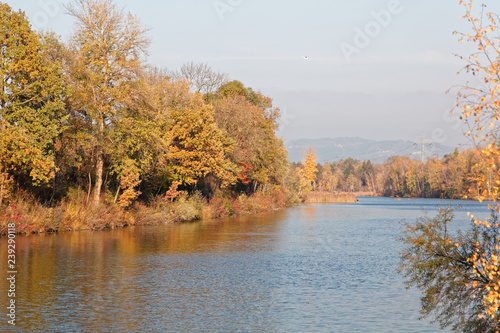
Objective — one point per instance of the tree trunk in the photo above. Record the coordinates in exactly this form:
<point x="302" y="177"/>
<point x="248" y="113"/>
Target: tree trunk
<point x="98" y="180"/>
<point x="100" y="161"/>
<point x="90" y="188"/>
<point x="117" y="193"/>
<point x="1" y="188"/>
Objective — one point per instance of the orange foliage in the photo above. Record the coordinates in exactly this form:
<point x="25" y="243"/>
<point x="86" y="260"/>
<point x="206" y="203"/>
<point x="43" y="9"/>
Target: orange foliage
<point x="480" y="108"/>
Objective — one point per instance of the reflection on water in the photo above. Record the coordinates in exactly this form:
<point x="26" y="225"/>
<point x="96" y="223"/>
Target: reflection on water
<point x="323" y="267"/>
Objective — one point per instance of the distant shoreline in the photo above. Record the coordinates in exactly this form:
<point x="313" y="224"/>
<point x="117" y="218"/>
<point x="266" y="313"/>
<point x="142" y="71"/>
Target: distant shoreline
<point x="329" y="197"/>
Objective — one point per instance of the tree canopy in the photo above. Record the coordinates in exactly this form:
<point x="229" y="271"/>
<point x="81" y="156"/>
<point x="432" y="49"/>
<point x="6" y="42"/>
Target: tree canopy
<point x="31" y="103"/>
<point x="92" y="114"/>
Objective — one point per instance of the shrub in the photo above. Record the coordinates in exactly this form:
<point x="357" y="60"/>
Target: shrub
<point x="442" y="265"/>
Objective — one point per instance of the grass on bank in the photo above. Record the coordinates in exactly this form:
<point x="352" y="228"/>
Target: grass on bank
<point x="329" y="197"/>
<point x="75" y="213"/>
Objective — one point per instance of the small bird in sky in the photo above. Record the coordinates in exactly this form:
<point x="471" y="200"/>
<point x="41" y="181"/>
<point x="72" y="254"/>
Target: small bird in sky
<point x="305" y="57"/>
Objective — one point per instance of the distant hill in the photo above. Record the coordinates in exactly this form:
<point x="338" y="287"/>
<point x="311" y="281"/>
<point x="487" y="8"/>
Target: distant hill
<point x="334" y="149"/>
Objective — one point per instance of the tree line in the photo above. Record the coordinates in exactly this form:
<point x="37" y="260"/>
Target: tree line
<point x="92" y="114"/>
<point x="459" y="175"/>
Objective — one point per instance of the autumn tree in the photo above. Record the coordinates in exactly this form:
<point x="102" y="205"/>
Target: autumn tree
<point x="326" y="179"/>
<point x="310" y="170"/>
<point x="249" y="119"/>
<point x="201" y="77"/>
<point x="141" y="137"/>
<point x="197" y="146"/>
<point x="237" y="88"/>
<point x="459" y="275"/>
<point x="459" y="287"/>
<point x="415" y="179"/>
<point x="166" y="137"/>
<point x="107" y="47"/>
<point x="480" y="108"/>
<point x="434" y="182"/>
<point x="31" y="103"/>
<point x="395" y="181"/>
<point x="367" y="175"/>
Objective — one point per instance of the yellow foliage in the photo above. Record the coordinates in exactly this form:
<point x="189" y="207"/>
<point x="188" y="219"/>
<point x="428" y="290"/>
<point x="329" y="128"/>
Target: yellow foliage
<point x="310" y="167"/>
<point x="478" y="111"/>
<point x="129" y="180"/>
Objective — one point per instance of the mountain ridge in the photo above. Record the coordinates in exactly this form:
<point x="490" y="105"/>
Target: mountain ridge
<point x="335" y="149"/>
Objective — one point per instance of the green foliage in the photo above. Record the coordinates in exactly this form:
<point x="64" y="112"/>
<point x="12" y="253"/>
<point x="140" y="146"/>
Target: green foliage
<point x="31" y="101"/>
<point x="105" y="60"/>
<point x="236" y="88"/>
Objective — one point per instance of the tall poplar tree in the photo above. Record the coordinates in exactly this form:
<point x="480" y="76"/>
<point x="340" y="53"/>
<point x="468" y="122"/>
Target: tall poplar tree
<point x="310" y="167"/>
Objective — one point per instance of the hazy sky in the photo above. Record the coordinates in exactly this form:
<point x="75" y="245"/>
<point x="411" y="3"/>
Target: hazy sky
<point x="374" y="69"/>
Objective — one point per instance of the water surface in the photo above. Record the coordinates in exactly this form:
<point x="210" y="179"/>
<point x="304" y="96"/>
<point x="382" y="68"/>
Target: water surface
<point x="310" y="268"/>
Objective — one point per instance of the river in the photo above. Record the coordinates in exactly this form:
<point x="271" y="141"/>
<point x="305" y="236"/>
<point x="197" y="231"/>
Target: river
<point x="310" y="268"/>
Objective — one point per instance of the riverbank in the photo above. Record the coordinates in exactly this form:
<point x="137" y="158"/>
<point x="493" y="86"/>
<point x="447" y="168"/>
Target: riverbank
<point x="329" y="197"/>
<point x="74" y="212"/>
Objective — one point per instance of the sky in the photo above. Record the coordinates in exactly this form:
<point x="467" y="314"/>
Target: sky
<point x="339" y="68"/>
